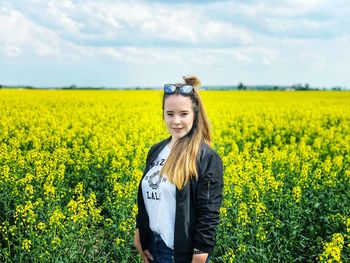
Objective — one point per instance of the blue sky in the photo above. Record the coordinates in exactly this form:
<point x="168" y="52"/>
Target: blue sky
<point x="148" y="43"/>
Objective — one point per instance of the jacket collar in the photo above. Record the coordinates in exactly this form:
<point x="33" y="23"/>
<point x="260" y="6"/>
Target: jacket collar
<point x="159" y="147"/>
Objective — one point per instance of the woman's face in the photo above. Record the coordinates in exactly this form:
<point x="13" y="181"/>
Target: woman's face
<point x="178" y="115"/>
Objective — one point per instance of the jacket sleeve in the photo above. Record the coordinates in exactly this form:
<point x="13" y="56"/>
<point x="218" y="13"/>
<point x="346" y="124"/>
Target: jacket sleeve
<point x="208" y="201"/>
<point x="141" y="216"/>
<point x="140" y="202"/>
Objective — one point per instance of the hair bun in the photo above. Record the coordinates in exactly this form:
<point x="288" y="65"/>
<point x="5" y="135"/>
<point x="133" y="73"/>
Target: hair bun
<point x="192" y="80"/>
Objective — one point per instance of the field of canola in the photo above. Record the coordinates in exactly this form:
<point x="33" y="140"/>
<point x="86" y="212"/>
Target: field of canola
<point x="70" y="163"/>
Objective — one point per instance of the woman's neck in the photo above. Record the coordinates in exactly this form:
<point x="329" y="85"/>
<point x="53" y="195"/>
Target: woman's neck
<point x="171" y="143"/>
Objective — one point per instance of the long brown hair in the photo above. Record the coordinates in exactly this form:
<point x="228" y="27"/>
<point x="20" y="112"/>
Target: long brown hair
<point x="181" y="166"/>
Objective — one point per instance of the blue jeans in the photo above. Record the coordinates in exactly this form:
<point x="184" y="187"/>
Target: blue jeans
<point x="159" y="250"/>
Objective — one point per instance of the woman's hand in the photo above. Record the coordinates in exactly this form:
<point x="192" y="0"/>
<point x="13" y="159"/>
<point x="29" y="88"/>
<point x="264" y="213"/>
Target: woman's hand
<point x="199" y="258"/>
<point x="145" y="255"/>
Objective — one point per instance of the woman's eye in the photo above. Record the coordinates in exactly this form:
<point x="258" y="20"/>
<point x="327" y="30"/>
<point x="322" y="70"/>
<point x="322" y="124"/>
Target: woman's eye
<point x="184" y="114"/>
<point x="169" y="114"/>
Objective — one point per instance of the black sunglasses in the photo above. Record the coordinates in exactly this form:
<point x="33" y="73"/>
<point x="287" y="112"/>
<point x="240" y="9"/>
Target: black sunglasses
<point x="182" y="88"/>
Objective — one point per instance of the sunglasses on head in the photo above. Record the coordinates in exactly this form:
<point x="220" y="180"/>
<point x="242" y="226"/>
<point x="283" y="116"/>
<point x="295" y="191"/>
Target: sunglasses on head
<point x="180" y="88"/>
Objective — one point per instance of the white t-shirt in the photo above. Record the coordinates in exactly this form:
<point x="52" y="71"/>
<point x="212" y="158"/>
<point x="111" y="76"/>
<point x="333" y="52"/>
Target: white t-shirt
<point x="159" y="196"/>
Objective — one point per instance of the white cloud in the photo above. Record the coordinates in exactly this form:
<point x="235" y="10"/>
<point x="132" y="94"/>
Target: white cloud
<point x="10" y="51"/>
<point x="12" y="20"/>
<point x="226" y="32"/>
<point x="242" y="58"/>
<point x="111" y="53"/>
<point x="59" y="12"/>
<point x="25" y="35"/>
<point x="288" y="19"/>
<point x="254" y="39"/>
<point x="135" y="24"/>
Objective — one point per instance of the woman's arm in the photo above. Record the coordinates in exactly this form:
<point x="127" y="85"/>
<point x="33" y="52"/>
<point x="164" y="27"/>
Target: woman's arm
<point x="208" y="201"/>
<point x="199" y="258"/>
<point x="145" y="255"/>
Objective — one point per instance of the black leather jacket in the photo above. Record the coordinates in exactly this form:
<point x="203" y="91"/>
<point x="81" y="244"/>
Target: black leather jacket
<point x="197" y="206"/>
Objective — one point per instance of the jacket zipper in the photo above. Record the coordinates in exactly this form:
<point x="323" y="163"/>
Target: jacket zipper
<point x="208" y="191"/>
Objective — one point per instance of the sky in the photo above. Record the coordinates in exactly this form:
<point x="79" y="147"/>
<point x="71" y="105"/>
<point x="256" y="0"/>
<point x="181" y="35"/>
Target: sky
<point x="124" y="43"/>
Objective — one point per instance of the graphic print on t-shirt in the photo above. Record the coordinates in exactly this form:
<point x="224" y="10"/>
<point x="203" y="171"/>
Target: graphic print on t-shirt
<point x="154" y="181"/>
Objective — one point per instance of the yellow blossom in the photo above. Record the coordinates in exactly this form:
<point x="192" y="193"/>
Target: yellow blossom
<point x="41" y="226"/>
<point x="296" y="193"/>
<point x="332" y="250"/>
<point x="243" y="217"/>
<point x="55" y="242"/>
<point x="26" y="244"/>
<point x="56" y="218"/>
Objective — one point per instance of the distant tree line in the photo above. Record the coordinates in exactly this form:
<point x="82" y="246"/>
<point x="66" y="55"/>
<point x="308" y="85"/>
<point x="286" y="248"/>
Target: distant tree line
<point x="240" y="86"/>
<point x="301" y="87"/>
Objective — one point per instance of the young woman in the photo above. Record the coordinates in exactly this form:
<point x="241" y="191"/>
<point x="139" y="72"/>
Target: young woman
<point x="180" y="193"/>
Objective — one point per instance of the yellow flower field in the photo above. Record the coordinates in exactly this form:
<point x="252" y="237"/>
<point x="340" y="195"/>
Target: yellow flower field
<point x="70" y="163"/>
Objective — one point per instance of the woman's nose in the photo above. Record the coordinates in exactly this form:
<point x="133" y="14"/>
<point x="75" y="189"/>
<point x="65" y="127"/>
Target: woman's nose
<point x="177" y="119"/>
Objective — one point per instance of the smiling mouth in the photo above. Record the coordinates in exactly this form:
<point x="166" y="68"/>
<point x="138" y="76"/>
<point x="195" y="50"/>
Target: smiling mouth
<point x="177" y="129"/>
